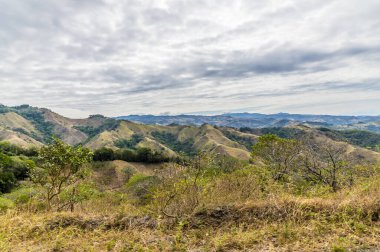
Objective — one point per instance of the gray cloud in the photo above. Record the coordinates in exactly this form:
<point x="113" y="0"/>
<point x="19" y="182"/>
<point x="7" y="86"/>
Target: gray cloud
<point x="127" y="56"/>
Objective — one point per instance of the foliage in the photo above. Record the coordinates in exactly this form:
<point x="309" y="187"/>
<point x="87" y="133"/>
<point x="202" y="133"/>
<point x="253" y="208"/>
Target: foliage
<point x="278" y="154"/>
<point x="360" y="138"/>
<point x="35" y="115"/>
<point x="142" y="154"/>
<point x="14" y="150"/>
<point x="60" y="166"/>
<point x="183" y="187"/>
<point x="21" y="195"/>
<point x="209" y="203"/>
<point x="126" y="155"/>
<point x="244" y="183"/>
<point x="327" y="163"/>
<point x="104" y="154"/>
<point x="77" y="193"/>
<point x="140" y="188"/>
<point x="178" y="194"/>
<point x="170" y="140"/>
<point x="108" y="124"/>
<point x="247" y="142"/>
<point x="12" y="169"/>
<point x="307" y="161"/>
<point x="6" y="204"/>
<point x="148" y="156"/>
<point x="129" y="143"/>
<point x="5" y="161"/>
<point x="282" y="132"/>
<point x="7" y="181"/>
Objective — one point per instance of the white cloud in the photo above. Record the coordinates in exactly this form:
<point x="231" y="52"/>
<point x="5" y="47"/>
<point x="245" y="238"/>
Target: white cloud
<point x="120" y="57"/>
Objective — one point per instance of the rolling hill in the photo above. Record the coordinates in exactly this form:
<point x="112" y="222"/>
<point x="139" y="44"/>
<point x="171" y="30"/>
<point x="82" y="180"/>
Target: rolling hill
<point x="29" y="126"/>
<point x="255" y="120"/>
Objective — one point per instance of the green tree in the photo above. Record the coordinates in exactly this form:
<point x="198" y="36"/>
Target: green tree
<point x="7" y="181"/>
<point x="61" y="166"/>
<point x="104" y="154"/>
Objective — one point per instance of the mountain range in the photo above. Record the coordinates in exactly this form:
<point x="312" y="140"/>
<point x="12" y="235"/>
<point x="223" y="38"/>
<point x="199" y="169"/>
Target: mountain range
<point x="256" y="120"/>
<point x="230" y="134"/>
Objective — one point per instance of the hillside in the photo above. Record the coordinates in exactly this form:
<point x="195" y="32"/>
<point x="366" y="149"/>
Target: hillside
<point x="200" y="202"/>
<point x="29" y="126"/>
<point x="233" y="206"/>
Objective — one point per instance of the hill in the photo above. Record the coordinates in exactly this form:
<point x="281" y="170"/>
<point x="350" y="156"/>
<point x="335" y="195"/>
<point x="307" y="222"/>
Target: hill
<point x="202" y="202"/>
<point x="30" y="126"/>
<point x="255" y="120"/>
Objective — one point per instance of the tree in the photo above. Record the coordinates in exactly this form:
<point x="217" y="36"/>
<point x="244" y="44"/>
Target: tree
<point x="278" y="154"/>
<point x="327" y="162"/>
<point x="104" y="154"/>
<point x="7" y="181"/>
<point x="61" y="166"/>
<point x="126" y="155"/>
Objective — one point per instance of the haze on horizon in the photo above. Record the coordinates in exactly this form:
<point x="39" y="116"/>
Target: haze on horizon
<point x="119" y="57"/>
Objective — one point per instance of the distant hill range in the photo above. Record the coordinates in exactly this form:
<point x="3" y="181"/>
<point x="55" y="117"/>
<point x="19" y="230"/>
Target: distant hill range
<point x="231" y="135"/>
<point x="255" y="120"/>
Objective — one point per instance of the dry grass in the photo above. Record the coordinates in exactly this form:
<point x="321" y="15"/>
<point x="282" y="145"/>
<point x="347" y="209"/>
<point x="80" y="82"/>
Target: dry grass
<point x="346" y="221"/>
<point x="33" y="232"/>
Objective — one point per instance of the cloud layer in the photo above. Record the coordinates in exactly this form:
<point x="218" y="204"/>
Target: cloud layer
<point x="120" y="57"/>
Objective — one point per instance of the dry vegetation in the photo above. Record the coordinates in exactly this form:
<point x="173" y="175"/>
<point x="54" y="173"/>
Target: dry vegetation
<point x="347" y="220"/>
<point x="206" y="203"/>
<point x="199" y="209"/>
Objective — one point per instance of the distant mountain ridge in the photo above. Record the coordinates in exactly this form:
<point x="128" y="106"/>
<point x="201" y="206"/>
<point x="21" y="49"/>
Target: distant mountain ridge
<point x="256" y="120"/>
<point x="228" y="135"/>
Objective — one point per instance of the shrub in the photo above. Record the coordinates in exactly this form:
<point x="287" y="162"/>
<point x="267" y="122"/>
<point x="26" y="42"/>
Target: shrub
<point x="21" y="195"/>
<point x="5" y="204"/>
<point x="140" y="188"/>
<point x="104" y="154"/>
<point x="7" y="181"/>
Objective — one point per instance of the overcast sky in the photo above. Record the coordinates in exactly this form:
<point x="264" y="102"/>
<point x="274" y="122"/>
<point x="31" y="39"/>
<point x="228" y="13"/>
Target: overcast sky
<point x="116" y="57"/>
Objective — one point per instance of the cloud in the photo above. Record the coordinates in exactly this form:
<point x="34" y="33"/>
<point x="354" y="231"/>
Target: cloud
<point x="126" y="56"/>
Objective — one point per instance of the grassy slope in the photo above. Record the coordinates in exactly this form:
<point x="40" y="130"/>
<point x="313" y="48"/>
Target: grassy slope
<point x="11" y="120"/>
<point x="17" y="138"/>
<point x="356" y="152"/>
<point x="336" y="222"/>
<point x="205" y="138"/>
<point x="14" y="129"/>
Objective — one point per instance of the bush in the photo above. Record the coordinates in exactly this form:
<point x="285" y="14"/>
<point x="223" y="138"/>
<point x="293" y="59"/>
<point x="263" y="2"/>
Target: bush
<point x="104" y="154"/>
<point x="250" y="182"/>
<point x="22" y="195"/>
<point x="5" y="204"/>
<point x="79" y="193"/>
<point x="21" y="166"/>
<point x="129" y="172"/>
<point x="140" y="188"/>
<point x="126" y="155"/>
<point x="7" y="181"/>
<point x="144" y="155"/>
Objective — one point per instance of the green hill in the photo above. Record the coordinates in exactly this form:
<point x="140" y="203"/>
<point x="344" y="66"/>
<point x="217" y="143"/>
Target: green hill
<point x="30" y="126"/>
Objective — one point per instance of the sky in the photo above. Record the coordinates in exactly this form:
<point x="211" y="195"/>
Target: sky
<point x="120" y="57"/>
